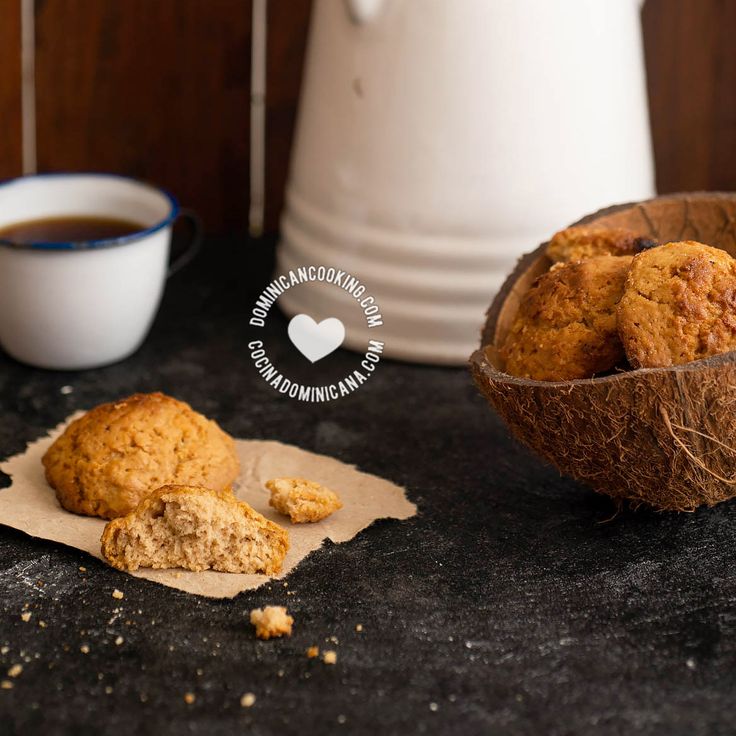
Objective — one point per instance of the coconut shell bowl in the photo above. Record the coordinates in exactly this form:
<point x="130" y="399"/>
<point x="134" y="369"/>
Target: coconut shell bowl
<point x="661" y="437"/>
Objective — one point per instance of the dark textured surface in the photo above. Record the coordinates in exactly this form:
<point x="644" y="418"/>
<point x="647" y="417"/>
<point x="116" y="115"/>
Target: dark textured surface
<point x="511" y="604"/>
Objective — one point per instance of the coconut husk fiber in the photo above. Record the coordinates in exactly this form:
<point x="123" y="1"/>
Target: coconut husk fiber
<point x="664" y="437"/>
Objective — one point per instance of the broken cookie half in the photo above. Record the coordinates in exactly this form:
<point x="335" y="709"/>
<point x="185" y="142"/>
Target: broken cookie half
<point x="195" y="529"/>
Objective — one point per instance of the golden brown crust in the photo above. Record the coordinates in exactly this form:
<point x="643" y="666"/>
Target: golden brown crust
<point x="566" y="324"/>
<point x="586" y="241"/>
<point x="196" y="529"/>
<point x="679" y="305"/>
<point x="271" y="622"/>
<point x="302" y="500"/>
<point x="110" y="458"/>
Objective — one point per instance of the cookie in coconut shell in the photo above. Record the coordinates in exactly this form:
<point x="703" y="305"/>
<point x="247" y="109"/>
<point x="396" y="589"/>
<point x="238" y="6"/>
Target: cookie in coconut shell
<point x="664" y="437"/>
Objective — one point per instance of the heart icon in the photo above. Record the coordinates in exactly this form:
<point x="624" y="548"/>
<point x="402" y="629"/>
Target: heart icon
<point x="315" y="340"/>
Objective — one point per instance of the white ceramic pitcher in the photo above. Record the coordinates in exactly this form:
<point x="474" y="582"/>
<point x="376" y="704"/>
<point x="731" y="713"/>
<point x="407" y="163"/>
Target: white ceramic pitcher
<point x="438" y="140"/>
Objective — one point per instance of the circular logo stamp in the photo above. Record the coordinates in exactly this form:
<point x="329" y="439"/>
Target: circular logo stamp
<point x="321" y="377"/>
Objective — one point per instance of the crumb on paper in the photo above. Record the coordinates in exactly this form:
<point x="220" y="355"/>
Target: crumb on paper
<point x="84" y="649"/>
<point x="271" y="622"/>
<point x="330" y="657"/>
<point x="26" y="616"/>
<point x="312" y="652"/>
<point x="302" y="500"/>
<point x="118" y="594"/>
<point x="189" y="698"/>
<point x="247" y="700"/>
<point x="359" y="628"/>
<point x="6" y="685"/>
<point x="15" y="670"/>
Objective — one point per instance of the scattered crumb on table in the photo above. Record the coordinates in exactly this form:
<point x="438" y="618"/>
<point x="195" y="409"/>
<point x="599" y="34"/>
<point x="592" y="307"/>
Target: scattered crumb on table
<point x="26" y="616"/>
<point x="247" y="700"/>
<point x="313" y="652"/>
<point x="118" y="594"/>
<point x="330" y="657"/>
<point x="271" y="622"/>
<point x="15" y="670"/>
<point x="189" y="698"/>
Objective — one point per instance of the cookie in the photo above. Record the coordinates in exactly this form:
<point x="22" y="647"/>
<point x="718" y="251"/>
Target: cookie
<point x="195" y="529"/>
<point x="679" y="305"/>
<point x="106" y="461"/>
<point x="586" y="241"/>
<point x="566" y="324"/>
<point x="302" y="500"/>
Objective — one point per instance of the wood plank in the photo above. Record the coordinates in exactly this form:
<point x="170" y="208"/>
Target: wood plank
<point x="288" y="23"/>
<point x="156" y="90"/>
<point x="691" y="71"/>
<point x="11" y="156"/>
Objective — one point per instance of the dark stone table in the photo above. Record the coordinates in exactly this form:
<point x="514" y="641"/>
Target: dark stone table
<point x="513" y="603"/>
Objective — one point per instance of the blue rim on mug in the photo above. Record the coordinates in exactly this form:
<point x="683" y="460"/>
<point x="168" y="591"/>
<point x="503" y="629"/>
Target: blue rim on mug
<point x="101" y="242"/>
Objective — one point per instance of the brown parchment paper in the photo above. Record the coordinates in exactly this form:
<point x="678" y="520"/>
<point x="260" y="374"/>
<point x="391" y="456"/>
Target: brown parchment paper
<point x="30" y="505"/>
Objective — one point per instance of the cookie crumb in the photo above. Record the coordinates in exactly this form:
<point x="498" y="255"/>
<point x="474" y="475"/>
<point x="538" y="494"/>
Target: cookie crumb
<point x="26" y="616"/>
<point x="189" y="698"/>
<point x="312" y="652"/>
<point x="4" y="650"/>
<point x="119" y="640"/>
<point x="271" y="622"/>
<point x="108" y="690"/>
<point x="359" y="628"/>
<point x="66" y="390"/>
<point x="247" y="700"/>
<point x="302" y="500"/>
<point x="330" y="657"/>
<point x="84" y="649"/>
<point x="82" y="568"/>
<point x="15" y="670"/>
<point x="6" y="685"/>
<point x="118" y="594"/>
<point x="42" y="624"/>
<point x="434" y="707"/>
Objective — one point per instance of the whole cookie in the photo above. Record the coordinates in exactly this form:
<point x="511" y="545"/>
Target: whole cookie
<point x="566" y="324"/>
<point x="679" y="304"/>
<point x="106" y="461"/>
<point x="586" y="241"/>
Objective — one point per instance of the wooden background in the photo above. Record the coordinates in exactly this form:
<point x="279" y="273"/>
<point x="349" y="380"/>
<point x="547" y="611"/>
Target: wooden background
<point x="159" y="89"/>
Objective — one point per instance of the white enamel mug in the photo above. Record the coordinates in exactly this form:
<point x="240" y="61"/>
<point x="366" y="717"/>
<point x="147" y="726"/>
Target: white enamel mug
<point x="78" y="305"/>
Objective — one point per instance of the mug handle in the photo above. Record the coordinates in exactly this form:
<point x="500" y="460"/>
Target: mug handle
<point x="195" y="242"/>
